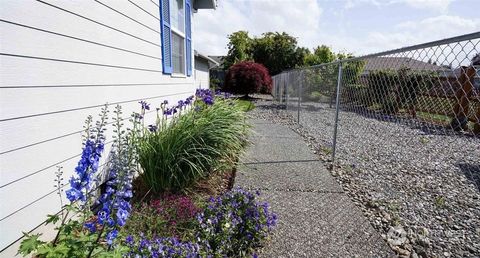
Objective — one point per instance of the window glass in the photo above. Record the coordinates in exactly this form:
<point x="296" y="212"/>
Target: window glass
<point x="178" y="54"/>
<point x="177" y="14"/>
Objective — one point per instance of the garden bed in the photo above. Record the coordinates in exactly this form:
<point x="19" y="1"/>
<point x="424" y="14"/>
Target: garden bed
<point x="167" y="190"/>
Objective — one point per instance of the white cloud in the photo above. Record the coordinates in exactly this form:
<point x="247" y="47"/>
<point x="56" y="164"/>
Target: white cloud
<point x="438" y="5"/>
<point x="404" y="34"/>
<point x="299" y="18"/>
<point x="306" y="20"/>
<point x="434" y="5"/>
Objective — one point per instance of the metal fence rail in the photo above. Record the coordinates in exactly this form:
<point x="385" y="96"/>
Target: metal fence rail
<point x="404" y="125"/>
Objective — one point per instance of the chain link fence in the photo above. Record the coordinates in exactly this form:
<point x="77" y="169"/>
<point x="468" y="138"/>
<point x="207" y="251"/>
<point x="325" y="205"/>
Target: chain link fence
<point x="403" y="130"/>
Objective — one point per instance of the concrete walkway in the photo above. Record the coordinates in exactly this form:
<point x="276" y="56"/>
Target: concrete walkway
<point x="316" y="218"/>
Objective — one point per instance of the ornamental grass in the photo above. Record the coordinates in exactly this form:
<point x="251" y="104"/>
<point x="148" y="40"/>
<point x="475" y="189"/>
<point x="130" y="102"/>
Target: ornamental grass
<point x="193" y="144"/>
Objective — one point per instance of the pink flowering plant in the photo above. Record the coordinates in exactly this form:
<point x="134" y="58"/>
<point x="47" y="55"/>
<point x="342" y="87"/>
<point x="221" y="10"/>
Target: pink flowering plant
<point x="173" y="215"/>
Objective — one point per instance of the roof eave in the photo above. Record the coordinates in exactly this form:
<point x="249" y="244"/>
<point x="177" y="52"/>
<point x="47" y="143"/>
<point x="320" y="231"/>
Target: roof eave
<point x="205" y="4"/>
<point x="209" y="59"/>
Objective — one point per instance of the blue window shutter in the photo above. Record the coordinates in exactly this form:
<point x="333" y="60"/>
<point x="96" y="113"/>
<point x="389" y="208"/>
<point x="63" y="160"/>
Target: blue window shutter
<point x="188" y="35"/>
<point x="166" y="34"/>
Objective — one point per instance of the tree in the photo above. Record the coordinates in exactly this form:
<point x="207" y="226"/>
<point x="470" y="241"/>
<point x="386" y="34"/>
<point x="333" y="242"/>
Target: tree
<point x="248" y="77"/>
<point x="321" y="54"/>
<point x="277" y="52"/>
<point x="239" y="48"/>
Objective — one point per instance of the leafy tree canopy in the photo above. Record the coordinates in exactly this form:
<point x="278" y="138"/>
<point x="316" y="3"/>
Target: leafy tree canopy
<point x="276" y="51"/>
<point x="239" y="48"/>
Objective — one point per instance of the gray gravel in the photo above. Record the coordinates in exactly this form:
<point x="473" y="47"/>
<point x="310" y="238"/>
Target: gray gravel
<point x="316" y="217"/>
<point x="419" y="186"/>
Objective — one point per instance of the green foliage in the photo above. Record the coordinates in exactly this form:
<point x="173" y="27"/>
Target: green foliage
<point x="171" y="215"/>
<point x="73" y="240"/>
<point x="190" y="147"/>
<point x="315" y="96"/>
<point x="245" y="105"/>
<point x="29" y="244"/>
<point x="277" y="52"/>
<point x="321" y="79"/>
<point x="393" y="90"/>
<point x="321" y="55"/>
<point x="239" y="48"/>
<point x="214" y="83"/>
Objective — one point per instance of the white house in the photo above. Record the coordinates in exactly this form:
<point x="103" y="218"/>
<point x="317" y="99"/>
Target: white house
<point x="203" y="63"/>
<point x="61" y="61"/>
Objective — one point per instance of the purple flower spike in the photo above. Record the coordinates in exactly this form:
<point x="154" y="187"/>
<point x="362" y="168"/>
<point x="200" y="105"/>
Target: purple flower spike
<point x="145" y="105"/>
<point x="152" y="128"/>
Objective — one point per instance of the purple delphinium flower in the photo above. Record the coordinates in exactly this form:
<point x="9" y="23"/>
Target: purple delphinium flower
<point x="206" y="95"/>
<point x="111" y="236"/>
<point x="86" y="167"/>
<point x="165" y="247"/>
<point x="114" y="201"/>
<point x="181" y="104"/>
<point x="145" y="105"/>
<point x="152" y="128"/>
<point x="129" y="240"/>
<point x="235" y="213"/>
<point x="168" y="112"/>
<point x="208" y="100"/>
<point x="91" y="226"/>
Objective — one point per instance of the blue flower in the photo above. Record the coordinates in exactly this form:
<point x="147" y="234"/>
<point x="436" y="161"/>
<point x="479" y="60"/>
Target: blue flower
<point x="91" y="226"/>
<point x="180" y="104"/>
<point x="167" y="111"/>
<point x="111" y="236"/>
<point x="145" y="105"/>
<point x="129" y="240"/>
<point x="122" y="216"/>
<point x="208" y="100"/>
<point x="152" y="128"/>
<point x="74" y="195"/>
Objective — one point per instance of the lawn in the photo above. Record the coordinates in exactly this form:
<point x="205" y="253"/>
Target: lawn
<point x="245" y="105"/>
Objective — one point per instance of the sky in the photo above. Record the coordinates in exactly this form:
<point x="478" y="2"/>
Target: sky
<point x="354" y="26"/>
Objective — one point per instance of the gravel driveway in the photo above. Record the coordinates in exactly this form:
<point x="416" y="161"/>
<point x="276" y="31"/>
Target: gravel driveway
<point x="418" y="185"/>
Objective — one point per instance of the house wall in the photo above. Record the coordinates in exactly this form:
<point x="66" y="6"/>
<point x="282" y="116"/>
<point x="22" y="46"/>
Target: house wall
<point x="60" y="61"/>
<point x="202" y="76"/>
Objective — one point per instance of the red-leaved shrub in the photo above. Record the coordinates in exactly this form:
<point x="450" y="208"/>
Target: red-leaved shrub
<point x="248" y="77"/>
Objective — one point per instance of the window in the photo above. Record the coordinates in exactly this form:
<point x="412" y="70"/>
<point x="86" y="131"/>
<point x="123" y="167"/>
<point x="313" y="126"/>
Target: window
<point x="176" y="36"/>
<point x="178" y="15"/>
<point x="178" y="54"/>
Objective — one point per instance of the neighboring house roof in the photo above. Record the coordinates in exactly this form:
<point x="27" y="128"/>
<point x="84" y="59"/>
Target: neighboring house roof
<point x="396" y="63"/>
<point x="218" y="59"/>
<point x="211" y="61"/>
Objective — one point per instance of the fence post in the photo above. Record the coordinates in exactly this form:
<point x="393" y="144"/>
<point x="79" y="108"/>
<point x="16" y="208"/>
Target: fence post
<point x="287" y="77"/>
<point x="299" y="97"/>
<point x="337" y="107"/>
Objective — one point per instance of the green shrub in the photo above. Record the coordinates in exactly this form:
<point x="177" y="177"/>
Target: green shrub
<point x="315" y="96"/>
<point x="192" y="145"/>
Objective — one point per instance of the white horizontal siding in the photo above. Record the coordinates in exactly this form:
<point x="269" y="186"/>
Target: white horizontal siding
<point x="202" y="75"/>
<point x="60" y="61"/>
